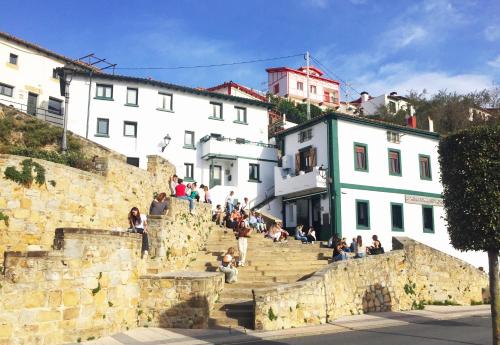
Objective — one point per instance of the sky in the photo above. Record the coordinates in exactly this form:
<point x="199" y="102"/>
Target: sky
<point x="376" y="46"/>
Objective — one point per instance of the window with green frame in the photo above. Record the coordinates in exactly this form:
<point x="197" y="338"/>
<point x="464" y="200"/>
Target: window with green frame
<point x="362" y="214"/>
<point x="424" y="162"/>
<point x="360" y="157"/>
<point x="397" y="217"/>
<point x="104" y="91"/>
<point x="394" y="157"/>
<point x="428" y="218"/>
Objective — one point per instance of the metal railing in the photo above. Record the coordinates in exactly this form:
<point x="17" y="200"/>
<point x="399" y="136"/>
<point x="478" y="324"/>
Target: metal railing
<point x="39" y="113"/>
<point x="235" y="140"/>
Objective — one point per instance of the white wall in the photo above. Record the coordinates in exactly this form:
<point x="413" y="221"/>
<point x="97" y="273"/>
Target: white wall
<point x="33" y="73"/>
<point x="190" y="112"/>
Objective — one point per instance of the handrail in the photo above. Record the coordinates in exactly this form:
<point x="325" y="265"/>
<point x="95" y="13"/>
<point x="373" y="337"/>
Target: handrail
<point x="47" y="115"/>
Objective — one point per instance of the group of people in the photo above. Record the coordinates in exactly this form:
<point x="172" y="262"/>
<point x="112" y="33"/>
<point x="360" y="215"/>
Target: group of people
<point x="340" y="248"/>
<point x="189" y="192"/>
<point x="308" y="237"/>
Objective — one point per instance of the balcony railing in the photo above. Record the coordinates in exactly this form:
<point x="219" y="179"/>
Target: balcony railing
<point x="235" y="140"/>
<point x="214" y="147"/>
<point x="39" y="113"/>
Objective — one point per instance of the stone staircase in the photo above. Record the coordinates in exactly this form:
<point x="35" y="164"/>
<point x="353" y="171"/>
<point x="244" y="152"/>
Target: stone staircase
<point x="268" y="264"/>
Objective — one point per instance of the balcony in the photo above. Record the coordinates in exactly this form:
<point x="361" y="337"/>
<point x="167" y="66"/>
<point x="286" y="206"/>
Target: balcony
<point x="297" y="185"/>
<point x="219" y="147"/>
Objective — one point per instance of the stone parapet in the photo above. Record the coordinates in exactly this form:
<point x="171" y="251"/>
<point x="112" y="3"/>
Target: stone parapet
<point x="179" y="299"/>
<point x="400" y="280"/>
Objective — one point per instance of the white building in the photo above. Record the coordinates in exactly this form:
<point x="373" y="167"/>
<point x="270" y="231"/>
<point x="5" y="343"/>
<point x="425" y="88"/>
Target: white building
<point x="292" y="84"/>
<point x="368" y="105"/>
<point x="234" y="89"/>
<point x="216" y="139"/>
<point x="380" y="178"/>
<point x="28" y="81"/>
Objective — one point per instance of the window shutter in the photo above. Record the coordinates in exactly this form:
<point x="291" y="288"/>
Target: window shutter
<point x="297" y="163"/>
<point x="312" y="155"/>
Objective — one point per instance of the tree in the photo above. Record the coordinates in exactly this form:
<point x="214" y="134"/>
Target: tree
<point x="296" y="113"/>
<point x="470" y="173"/>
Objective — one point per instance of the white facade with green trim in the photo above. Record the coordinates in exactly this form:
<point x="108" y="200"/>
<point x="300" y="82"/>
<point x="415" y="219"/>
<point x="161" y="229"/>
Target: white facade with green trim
<point x="403" y="203"/>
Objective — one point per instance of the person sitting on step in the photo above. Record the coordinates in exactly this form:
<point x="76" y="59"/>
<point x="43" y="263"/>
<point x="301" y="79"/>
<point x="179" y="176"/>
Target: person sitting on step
<point x="311" y="235"/>
<point x="299" y="234"/>
<point x="338" y="252"/>
<point x="159" y="205"/>
<point x="359" y="249"/>
<point x="261" y="224"/>
<point x="228" y="266"/>
<point x="376" y="248"/>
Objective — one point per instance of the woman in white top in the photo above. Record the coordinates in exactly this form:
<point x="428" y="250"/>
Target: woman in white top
<point x="139" y="223"/>
<point x="360" y="249"/>
<point x="311" y="235"/>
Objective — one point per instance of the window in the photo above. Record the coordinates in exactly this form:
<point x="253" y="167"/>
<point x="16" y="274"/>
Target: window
<point x="276" y="88"/>
<point x="104" y="91"/>
<point x="428" y="218"/>
<point x="393" y="137"/>
<point x="189" y="139"/>
<point x="54" y="74"/>
<point x="254" y="172"/>
<point x="216" y="111"/>
<point x="362" y="214"/>
<point x="241" y="115"/>
<point x="55" y="106"/>
<point x="335" y="97"/>
<point x="102" y="127"/>
<point x="360" y="157"/>
<point x="133" y="161"/>
<point x="6" y="90"/>
<point x="425" y="167"/>
<point x="397" y="221"/>
<point x="188" y="171"/>
<point x="300" y="86"/>
<point x="305" y="160"/>
<point x="305" y="135"/>
<point x="13" y="59"/>
<point x="313" y="89"/>
<point x="392" y="107"/>
<point x="130" y="129"/>
<point x="132" y="96"/>
<point x="326" y="97"/>
<point x="165" y="101"/>
<point x="394" y="162"/>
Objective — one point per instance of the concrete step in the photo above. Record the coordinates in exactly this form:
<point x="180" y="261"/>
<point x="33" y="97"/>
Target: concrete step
<point x="237" y="293"/>
<point x="224" y="323"/>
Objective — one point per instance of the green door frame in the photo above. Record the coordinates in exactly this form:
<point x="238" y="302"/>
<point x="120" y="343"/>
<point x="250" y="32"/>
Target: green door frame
<point x="335" y="202"/>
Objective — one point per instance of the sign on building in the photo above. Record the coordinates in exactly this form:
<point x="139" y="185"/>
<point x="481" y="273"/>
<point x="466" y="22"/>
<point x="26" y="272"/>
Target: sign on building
<point x="423" y="200"/>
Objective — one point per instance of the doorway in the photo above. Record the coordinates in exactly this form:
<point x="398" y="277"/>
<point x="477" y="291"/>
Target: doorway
<point x="216" y="175"/>
<point x="32" y="103"/>
<point x="303" y="212"/>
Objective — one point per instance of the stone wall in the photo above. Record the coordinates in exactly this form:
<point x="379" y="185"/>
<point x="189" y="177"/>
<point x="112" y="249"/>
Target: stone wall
<point x="86" y="288"/>
<point x="94" y="284"/>
<point x="75" y="198"/>
<point x="179" y="300"/>
<point x="400" y="280"/>
<point x="176" y="237"/>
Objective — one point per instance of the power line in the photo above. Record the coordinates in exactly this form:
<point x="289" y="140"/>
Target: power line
<point x="335" y="76"/>
<point x="212" y="65"/>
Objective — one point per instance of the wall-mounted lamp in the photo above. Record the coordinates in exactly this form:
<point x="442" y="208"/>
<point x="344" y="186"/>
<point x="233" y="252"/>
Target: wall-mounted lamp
<point x="322" y="171"/>
<point x="166" y="141"/>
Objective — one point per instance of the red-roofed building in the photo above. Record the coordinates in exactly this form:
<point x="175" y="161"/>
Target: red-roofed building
<point x="291" y="83"/>
<point x="234" y="89"/>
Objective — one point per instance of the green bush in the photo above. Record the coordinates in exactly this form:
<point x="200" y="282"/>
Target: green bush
<point x="470" y="173"/>
<point x="71" y="158"/>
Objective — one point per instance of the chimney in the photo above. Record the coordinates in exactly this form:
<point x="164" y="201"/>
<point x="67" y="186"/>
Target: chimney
<point x="412" y="121"/>
<point x="393" y="93"/>
<point x="364" y="96"/>
<point x="431" y="124"/>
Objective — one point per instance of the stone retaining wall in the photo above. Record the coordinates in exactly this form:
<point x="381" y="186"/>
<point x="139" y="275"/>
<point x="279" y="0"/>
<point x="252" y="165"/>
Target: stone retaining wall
<point x="179" y="300"/>
<point x="400" y="280"/>
<point x="75" y="198"/>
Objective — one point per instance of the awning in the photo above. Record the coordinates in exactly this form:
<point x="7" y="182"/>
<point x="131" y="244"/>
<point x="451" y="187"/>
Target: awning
<point x="219" y="156"/>
<point x="302" y="196"/>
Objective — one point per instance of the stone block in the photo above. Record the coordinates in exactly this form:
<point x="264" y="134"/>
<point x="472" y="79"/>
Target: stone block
<point x="49" y="315"/>
<point x="35" y="299"/>
<point x="71" y="313"/>
<point x="5" y="330"/>
<point x="70" y="298"/>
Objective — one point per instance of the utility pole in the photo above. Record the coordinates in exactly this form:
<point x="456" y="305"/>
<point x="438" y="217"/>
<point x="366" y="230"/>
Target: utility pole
<point x="308" y="87"/>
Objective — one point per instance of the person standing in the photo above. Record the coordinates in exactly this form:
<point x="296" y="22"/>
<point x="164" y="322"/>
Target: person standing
<point x="139" y="223"/>
<point x="243" y="233"/>
<point x="245" y="207"/>
<point x="229" y="202"/>
<point x="173" y="183"/>
<point x="208" y="199"/>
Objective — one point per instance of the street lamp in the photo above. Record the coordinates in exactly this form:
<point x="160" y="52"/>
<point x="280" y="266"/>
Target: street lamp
<point x="166" y="141"/>
<point x="66" y="76"/>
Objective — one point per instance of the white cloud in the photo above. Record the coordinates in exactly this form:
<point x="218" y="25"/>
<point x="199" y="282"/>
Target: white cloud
<point x="403" y="36"/>
<point x="428" y="80"/>
<point x="492" y="33"/>
<point x="495" y="63"/>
